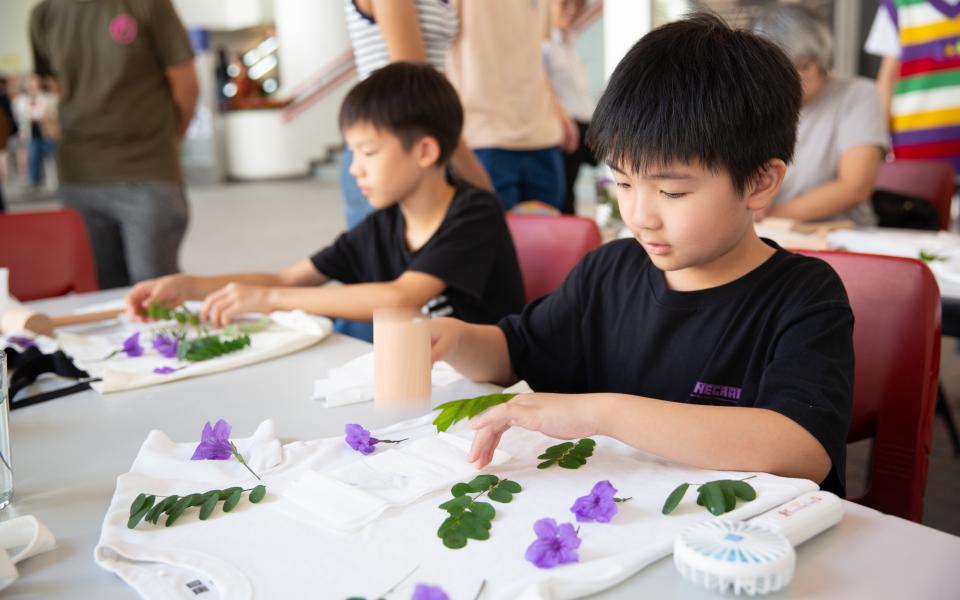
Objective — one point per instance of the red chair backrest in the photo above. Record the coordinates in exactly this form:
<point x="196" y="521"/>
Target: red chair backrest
<point x="931" y="180"/>
<point x="548" y="247"/>
<point x="48" y="254"/>
<point x="896" y="339"/>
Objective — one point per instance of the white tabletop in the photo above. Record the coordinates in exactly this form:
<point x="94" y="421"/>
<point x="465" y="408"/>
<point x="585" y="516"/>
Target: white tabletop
<point x="68" y="452"/>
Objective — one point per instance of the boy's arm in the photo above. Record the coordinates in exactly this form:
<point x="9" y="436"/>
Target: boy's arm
<point x="477" y="351"/>
<point x="353" y="301"/>
<point x="708" y="437"/>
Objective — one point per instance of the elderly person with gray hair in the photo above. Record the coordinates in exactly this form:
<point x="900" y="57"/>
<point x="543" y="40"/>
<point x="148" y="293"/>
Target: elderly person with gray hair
<point x="842" y="135"/>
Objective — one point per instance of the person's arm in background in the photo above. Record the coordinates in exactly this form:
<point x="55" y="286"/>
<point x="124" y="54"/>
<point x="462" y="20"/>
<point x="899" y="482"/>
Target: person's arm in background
<point x="400" y="28"/>
<point x="856" y="175"/>
<point x="184" y="89"/>
<point x="887" y="78"/>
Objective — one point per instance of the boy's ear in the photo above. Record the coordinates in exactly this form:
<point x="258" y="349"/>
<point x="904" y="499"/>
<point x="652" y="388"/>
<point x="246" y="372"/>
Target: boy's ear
<point x="765" y="185"/>
<point x="427" y="150"/>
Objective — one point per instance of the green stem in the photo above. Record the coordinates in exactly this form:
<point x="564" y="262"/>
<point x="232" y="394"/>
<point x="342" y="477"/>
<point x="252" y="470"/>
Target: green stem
<point x="483" y="583"/>
<point x="622" y="499"/>
<point x="391" y="441"/>
<point x="236" y="455"/>
<point x="185" y="495"/>
<point x="397" y="584"/>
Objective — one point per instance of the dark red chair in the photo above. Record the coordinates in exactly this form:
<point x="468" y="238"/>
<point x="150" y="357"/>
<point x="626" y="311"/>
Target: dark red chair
<point x="48" y="254"/>
<point x="896" y="338"/>
<point x="931" y="180"/>
<point x="548" y="247"/>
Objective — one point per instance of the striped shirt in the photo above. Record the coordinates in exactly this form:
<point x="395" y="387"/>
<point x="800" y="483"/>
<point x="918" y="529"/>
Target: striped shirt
<point x="438" y="26"/>
<point x="926" y="102"/>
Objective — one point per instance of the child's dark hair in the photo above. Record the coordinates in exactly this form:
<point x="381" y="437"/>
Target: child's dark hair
<point x="697" y="89"/>
<point x="410" y="101"/>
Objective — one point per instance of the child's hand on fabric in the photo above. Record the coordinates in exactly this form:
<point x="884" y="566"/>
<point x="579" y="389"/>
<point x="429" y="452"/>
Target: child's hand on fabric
<point x="563" y="416"/>
<point x="222" y="306"/>
<point x="170" y="292"/>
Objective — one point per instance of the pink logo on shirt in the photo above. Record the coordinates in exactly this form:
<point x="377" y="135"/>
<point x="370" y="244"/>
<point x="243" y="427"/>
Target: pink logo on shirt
<point x="123" y="29"/>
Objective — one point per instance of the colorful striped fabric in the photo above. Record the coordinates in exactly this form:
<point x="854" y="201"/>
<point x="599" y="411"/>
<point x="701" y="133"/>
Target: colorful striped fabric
<point x="926" y="102"/>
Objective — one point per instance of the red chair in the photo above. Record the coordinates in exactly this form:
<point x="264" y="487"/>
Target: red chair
<point x="928" y="179"/>
<point x="48" y="254"/>
<point x="896" y="338"/>
<point x="548" y="247"/>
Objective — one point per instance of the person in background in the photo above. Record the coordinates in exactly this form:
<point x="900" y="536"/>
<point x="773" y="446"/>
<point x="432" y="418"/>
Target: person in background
<point x="37" y="110"/>
<point x="919" y="78"/>
<point x="385" y="31"/>
<point x="8" y="130"/>
<point x="568" y="76"/>
<point x="842" y="135"/>
<point x="434" y="244"/>
<point x="514" y="122"/>
<point x="129" y="89"/>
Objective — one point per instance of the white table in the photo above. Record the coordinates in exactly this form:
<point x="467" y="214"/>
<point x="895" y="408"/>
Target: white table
<point x="67" y="453"/>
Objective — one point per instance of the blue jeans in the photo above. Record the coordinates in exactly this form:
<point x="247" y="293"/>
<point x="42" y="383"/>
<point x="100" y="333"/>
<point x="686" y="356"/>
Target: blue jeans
<point x="355" y="205"/>
<point x="38" y="151"/>
<point x="520" y="175"/>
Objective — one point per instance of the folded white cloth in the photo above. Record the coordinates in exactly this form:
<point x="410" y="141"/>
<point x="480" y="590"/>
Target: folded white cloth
<point x="287" y="333"/>
<point x="944" y="245"/>
<point x="273" y="549"/>
<point x="24" y="537"/>
<point x="353" y="382"/>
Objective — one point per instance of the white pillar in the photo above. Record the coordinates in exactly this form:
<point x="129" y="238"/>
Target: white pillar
<point x="624" y="22"/>
<point x="312" y="33"/>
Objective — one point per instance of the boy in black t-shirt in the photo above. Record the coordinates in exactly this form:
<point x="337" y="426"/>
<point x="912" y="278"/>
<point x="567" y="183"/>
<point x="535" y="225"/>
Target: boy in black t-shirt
<point x="751" y="345"/>
<point x="434" y="244"/>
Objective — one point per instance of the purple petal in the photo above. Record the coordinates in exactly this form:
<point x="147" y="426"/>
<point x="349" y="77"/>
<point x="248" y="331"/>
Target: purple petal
<point x="22" y="341"/>
<point x="603" y="489"/>
<point x="567" y="536"/>
<point x="164" y="370"/>
<point x="214" y="442"/>
<point x="545" y="528"/>
<point x="166" y="345"/>
<point x="132" y="347"/>
<point x="221" y="431"/>
<point x="542" y="553"/>
<point x="429" y="592"/>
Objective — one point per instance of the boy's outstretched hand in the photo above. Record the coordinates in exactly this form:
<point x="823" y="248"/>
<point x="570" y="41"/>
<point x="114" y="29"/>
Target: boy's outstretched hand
<point x="563" y="416"/>
<point x="169" y="291"/>
<point x="224" y="305"/>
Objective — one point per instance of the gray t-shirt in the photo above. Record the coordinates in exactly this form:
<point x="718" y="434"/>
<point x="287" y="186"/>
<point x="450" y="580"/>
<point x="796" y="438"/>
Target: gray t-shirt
<point x="846" y="114"/>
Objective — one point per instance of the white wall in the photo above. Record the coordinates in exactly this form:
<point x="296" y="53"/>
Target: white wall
<point x="223" y="14"/>
<point x="624" y="22"/>
<point x="15" y="54"/>
<point x="312" y="33"/>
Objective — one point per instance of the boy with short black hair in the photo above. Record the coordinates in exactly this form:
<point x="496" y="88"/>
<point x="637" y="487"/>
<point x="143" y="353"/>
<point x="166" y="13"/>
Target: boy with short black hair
<point x="434" y="244"/>
<point x="752" y="345"/>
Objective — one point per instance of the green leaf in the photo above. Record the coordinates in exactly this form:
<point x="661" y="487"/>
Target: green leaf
<point x="456" y="410"/>
<point x="137" y="516"/>
<point x="208" y="505"/>
<point x="449" y="524"/>
<point x="232" y="500"/>
<point x="568" y="455"/>
<point x="673" y="500"/>
<point x="483" y="510"/>
<point x="138" y="503"/>
<point x="461" y="489"/>
<point x="743" y="490"/>
<point x="455" y="539"/>
<point x="257" y="494"/>
<point x="699" y="499"/>
<point x="224" y="494"/>
<point x="174" y="513"/>
<point x="547" y="463"/>
<point x="482" y="483"/>
<point x="210" y="346"/>
<point x="587" y="442"/>
<point x="572" y="462"/>
<point x="556" y="451"/>
<point x="154" y="515"/>
<point x="457" y="505"/>
<point x="511" y="486"/>
<point x="729" y="498"/>
<point x="195" y="499"/>
<point x="713" y="498"/>
<point x="474" y="527"/>
<point x="500" y="495"/>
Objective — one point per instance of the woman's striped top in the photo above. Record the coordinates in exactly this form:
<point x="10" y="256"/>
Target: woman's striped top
<point x="438" y="26"/>
<point x="926" y="102"/>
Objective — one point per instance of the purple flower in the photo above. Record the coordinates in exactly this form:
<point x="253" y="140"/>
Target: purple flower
<point x="214" y="442"/>
<point x="555" y="545"/>
<point x="22" y="341"/>
<point x="166" y="345"/>
<point x="359" y="439"/>
<point x="132" y="347"/>
<point x="165" y="370"/>
<point x="598" y="506"/>
<point x="429" y="592"/>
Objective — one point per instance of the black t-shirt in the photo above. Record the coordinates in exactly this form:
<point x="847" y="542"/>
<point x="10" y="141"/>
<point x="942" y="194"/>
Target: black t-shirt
<point x="780" y="337"/>
<point x="471" y="251"/>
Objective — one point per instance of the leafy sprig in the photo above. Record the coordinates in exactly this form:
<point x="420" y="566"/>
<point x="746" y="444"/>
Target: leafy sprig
<point x="457" y="410"/>
<point x="468" y="517"/>
<point x="718" y="496"/>
<point x="180" y="315"/>
<point x="568" y="455"/>
<point x="146" y="508"/>
<point x="210" y="346"/>
<point x="931" y="256"/>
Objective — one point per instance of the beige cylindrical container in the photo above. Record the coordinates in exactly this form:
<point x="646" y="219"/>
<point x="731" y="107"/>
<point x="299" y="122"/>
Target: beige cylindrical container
<point x="401" y="360"/>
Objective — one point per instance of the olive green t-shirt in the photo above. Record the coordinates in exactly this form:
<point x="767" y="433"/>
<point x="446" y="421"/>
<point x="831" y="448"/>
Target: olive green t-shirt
<point x="117" y="114"/>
